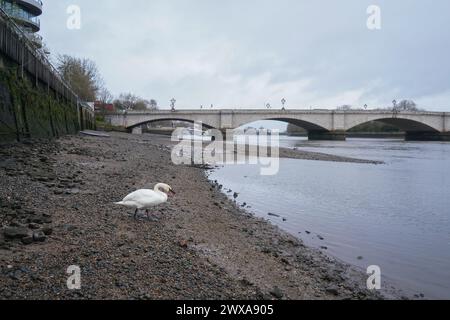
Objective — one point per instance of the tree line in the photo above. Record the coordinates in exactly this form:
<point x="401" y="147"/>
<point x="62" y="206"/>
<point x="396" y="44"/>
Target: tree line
<point x="402" y="106"/>
<point x="85" y="79"/>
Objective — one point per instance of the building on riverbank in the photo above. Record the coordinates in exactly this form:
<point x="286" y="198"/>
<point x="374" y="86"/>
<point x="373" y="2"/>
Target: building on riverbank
<point x="102" y="108"/>
<point x="26" y="14"/>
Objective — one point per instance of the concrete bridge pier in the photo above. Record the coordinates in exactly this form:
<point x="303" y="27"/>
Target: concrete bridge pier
<point x="327" y="135"/>
<point x="427" y="136"/>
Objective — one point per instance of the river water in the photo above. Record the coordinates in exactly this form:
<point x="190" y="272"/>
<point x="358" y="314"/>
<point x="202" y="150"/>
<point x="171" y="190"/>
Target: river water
<point x="395" y="215"/>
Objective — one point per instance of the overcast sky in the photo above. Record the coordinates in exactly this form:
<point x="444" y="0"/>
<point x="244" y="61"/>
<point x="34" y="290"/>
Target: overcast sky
<point x="246" y="53"/>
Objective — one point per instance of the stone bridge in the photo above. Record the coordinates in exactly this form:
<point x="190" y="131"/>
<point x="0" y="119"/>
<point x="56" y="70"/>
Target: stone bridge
<point x="320" y="124"/>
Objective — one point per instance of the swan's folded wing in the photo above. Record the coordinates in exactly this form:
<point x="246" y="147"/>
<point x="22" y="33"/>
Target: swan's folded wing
<point x="140" y="196"/>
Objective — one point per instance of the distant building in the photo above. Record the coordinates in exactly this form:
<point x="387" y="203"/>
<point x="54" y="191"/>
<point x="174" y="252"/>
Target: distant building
<point x="87" y="105"/>
<point x="25" y="13"/>
<point x="101" y="107"/>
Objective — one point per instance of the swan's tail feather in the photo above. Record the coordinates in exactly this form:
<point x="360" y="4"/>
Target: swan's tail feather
<point x="121" y="203"/>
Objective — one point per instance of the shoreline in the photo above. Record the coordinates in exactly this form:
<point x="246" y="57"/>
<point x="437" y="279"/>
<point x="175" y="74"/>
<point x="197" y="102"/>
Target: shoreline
<point x="202" y="247"/>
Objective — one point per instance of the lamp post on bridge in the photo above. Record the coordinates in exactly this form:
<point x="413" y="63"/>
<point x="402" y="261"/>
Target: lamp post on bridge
<point x="172" y="104"/>
<point x="283" y="102"/>
<point x="268" y="106"/>
<point x="395" y="110"/>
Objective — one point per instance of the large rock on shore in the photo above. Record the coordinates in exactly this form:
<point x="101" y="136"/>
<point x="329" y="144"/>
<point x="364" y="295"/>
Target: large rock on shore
<point x="39" y="236"/>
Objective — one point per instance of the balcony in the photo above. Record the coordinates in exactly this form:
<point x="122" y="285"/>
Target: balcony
<point x="25" y="18"/>
<point x="32" y="6"/>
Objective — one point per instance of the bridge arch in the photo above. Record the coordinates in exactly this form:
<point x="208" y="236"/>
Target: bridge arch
<point x="307" y="125"/>
<point x="403" y="122"/>
<point x="134" y="125"/>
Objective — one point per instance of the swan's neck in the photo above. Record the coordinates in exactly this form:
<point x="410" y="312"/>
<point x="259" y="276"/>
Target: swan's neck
<point x="158" y="190"/>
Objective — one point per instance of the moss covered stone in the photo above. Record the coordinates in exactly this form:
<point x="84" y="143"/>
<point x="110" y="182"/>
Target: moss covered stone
<point x="27" y="110"/>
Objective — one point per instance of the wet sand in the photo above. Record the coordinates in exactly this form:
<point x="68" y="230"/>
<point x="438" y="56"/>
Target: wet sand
<point x="57" y="210"/>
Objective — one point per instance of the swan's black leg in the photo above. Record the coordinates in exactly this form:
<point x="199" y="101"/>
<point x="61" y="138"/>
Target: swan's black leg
<point x="148" y="214"/>
<point x="135" y="214"/>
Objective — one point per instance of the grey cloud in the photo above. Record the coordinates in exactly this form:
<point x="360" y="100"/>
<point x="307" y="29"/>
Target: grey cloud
<point x="246" y="53"/>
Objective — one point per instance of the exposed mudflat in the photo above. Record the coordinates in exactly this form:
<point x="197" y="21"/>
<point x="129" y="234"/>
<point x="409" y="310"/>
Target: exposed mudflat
<point x="56" y="210"/>
<point x="318" y="156"/>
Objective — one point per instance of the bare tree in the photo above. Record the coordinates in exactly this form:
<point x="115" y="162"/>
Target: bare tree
<point x="125" y="101"/>
<point x="82" y="75"/>
<point x="345" y="107"/>
<point x="129" y="101"/>
<point x="104" y="96"/>
<point x="141" y="105"/>
<point x="407" y="105"/>
<point x="153" y="104"/>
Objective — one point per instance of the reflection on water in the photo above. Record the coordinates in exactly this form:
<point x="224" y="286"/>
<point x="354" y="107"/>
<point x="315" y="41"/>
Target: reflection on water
<point x="395" y="215"/>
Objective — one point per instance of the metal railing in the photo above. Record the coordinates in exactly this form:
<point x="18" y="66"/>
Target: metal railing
<point x="39" y="55"/>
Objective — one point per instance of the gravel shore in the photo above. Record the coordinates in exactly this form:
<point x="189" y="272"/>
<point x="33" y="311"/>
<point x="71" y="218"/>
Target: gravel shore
<point x="56" y="210"/>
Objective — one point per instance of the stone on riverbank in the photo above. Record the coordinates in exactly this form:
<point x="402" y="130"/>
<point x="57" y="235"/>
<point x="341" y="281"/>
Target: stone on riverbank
<point x="277" y="293"/>
<point x="39" y="236"/>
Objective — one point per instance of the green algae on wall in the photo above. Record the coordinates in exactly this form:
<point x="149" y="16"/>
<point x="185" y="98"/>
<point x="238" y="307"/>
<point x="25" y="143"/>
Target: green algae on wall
<point x="27" y="110"/>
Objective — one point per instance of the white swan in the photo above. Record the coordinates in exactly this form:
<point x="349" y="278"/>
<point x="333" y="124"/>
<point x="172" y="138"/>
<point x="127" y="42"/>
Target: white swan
<point x="146" y="199"/>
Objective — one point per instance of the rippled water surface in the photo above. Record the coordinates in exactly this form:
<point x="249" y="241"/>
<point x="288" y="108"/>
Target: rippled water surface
<point x="396" y="215"/>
